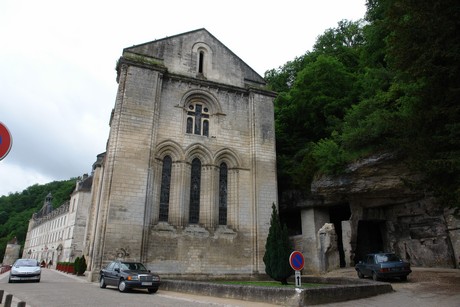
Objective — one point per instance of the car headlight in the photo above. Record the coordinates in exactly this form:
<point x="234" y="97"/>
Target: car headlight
<point x="133" y="277"/>
<point x="155" y="278"/>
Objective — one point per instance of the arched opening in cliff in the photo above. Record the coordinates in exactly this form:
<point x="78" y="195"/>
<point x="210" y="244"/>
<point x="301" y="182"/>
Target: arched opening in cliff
<point x="337" y="214"/>
<point x="370" y="239"/>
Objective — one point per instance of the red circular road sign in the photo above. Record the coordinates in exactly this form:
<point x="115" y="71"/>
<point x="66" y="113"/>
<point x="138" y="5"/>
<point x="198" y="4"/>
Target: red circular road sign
<point x="5" y="141"/>
<point x="296" y="260"/>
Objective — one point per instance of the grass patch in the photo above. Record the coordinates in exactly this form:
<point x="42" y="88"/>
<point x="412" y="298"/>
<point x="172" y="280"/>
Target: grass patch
<point x="270" y="284"/>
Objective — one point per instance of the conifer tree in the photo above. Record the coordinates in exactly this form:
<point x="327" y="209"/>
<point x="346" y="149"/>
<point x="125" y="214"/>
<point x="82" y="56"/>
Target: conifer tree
<point x="80" y="265"/>
<point x="76" y="265"/>
<point x="83" y="265"/>
<point x="277" y="250"/>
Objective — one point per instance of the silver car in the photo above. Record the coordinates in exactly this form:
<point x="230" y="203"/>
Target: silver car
<point x="25" y="270"/>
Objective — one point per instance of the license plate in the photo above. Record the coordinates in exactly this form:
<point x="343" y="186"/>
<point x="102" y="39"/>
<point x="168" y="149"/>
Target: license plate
<point x="147" y="283"/>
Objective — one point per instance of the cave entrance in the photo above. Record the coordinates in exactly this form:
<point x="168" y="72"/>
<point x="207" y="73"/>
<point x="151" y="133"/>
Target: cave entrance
<point x="370" y="239"/>
<point x="337" y="214"/>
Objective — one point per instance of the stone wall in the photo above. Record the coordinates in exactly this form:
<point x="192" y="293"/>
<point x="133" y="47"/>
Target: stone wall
<point x="11" y="253"/>
<point x="193" y="251"/>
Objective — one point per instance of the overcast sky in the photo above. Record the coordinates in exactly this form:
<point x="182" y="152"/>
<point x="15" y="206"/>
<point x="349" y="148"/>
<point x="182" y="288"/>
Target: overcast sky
<point x="57" y="65"/>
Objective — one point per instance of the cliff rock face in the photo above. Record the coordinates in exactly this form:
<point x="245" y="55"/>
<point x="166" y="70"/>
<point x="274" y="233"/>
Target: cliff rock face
<point x="376" y="181"/>
<point x="387" y="215"/>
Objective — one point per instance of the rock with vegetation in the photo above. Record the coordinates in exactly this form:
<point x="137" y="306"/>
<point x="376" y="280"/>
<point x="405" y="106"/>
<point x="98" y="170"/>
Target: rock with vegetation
<point x="371" y="86"/>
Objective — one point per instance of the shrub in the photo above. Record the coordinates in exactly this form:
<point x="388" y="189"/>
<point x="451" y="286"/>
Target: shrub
<point x="76" y="265"/>
<point x="80" y="265"/>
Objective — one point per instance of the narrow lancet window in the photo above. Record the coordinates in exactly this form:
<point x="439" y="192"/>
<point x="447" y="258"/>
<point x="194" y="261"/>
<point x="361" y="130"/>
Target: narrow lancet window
<point x="201" y="62"/>
<point x="198" y="115"/>
<point x="165" y="187"/>
<point x="195" y="187"/>
<point x="189" y="125"/>
<point x="223" y="177"/>
<point x="206" y="127"/>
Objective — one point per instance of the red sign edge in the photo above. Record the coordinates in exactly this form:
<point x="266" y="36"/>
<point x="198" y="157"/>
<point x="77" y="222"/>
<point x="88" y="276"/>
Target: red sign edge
<point x="10" y="139"/>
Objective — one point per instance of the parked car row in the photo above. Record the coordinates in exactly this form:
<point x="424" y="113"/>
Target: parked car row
<point x="126" y="275"/>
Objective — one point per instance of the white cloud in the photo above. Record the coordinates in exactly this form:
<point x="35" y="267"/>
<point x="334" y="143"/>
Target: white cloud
<point x="14" y="178"/>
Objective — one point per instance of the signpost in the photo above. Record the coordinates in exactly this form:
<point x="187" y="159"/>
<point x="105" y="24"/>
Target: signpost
<point x="5" y="141"/>
<point x="297" y="262"/>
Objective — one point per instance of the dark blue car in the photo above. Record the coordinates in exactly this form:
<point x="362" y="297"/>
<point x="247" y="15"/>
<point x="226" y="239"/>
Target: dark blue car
<point x="383" y="266"/>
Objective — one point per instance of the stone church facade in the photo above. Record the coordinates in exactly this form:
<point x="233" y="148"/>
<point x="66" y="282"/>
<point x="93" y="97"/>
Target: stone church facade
<point x="189" y="176"/>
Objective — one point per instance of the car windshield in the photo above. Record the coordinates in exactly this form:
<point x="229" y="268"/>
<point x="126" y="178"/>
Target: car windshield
<point x="132" y="266"/>
<point x="26" y="262"/>
<point x="387" y="258"/>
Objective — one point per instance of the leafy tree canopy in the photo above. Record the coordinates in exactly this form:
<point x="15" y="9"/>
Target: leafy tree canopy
<point x="389" y="82"/>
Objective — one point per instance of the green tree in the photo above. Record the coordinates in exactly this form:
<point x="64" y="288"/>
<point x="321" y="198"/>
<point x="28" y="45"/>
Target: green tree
<point x="77" y="265"/>
<point x="424" y="52"/>
<point x="83" y="265"/>
<point x="277" y="250"/>
<point x="80" y="265"/>
<point x="312" y="110"/>
<point x="343" y="42"/>
<point x="411" y="83"/>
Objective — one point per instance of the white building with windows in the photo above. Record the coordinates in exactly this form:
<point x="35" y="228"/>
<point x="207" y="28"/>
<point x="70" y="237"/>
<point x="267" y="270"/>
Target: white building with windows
<point x="57" y="235"/>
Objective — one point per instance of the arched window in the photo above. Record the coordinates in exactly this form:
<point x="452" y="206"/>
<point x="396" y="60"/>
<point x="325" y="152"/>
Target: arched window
<point x="164" y="191"/>
<point x="201" y="62"/>
<point x="223" y="194"/>
<point x="198" y="119"/>
<point x="189" y="124"/>
<point x="206" y="127"/>
<point x="195" y="187"/>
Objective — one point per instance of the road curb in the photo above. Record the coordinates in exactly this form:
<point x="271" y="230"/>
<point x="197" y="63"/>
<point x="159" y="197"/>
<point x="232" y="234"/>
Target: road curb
<point x="334" y="290"/>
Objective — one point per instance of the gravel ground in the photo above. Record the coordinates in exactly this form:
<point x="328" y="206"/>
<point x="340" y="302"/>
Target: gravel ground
<point x="425" y="287"/>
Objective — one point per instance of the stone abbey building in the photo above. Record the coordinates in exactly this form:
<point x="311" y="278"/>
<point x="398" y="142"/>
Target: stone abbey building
<point x="188" y="178"/>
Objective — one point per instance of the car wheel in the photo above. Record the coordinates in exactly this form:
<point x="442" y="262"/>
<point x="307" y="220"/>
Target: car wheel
<point x="153" y="290"/>
<point x="403" y="278"/>
<point x="374" y="276"/>
<point x="10" y="281"/>
<point x="102" y="283"/>
<point x="122" y="286"/>
<point x="360" y="275"/>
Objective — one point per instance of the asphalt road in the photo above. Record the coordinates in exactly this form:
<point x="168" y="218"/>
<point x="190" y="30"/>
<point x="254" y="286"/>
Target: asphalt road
<point x="424" y="288"/>
<point x="57" y="289"/>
